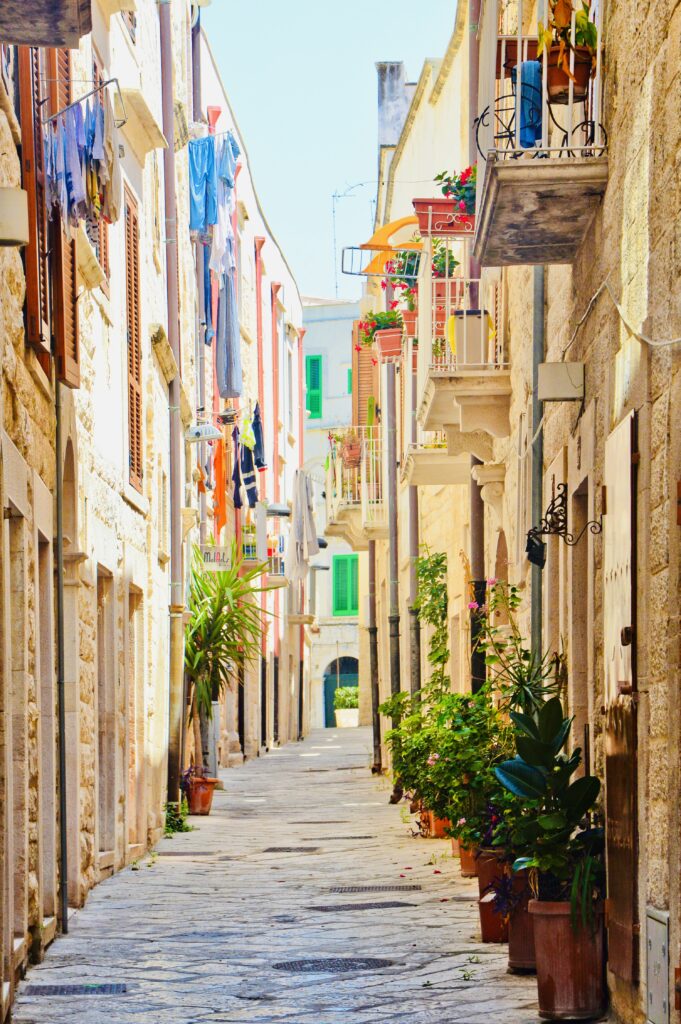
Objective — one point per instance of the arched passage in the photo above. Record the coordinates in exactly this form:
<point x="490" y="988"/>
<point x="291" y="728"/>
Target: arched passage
<point x="342" y="671"/>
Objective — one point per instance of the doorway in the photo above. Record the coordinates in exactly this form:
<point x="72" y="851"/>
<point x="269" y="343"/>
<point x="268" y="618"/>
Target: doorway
<point x="341" y="672"/>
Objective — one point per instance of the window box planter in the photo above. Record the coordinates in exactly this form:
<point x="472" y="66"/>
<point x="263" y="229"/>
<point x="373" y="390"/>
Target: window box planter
<point x="557" y="81"/>
<point x="347" y="718"/>
<point x="570" y="963"/>
<point x="440" y="216"/>
<point x="389" y="343"/>
<point x="200" y="793"/>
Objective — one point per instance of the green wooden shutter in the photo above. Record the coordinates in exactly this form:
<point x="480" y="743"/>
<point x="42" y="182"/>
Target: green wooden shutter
<point x="313" y="383"/>
<point x="349" y="380"/>
<point x="345" y="584"/>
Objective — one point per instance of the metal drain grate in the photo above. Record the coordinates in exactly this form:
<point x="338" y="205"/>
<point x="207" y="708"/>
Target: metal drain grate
<point x="333" y="965"/>
<point x="75" y="990"/>
<point x="329" y="839"/>
<point x="290" y="849"/>
<point x="375" y="888"/>
<point x="319" y="823"/>
<point x="340" y="907"/>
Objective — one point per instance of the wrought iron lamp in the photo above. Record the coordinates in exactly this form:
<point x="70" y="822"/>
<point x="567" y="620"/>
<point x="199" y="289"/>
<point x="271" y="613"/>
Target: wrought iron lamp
<point x="555" y="524"/>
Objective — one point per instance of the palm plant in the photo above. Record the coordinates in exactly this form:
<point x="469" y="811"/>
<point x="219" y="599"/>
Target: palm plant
<point x="224" y="630"/>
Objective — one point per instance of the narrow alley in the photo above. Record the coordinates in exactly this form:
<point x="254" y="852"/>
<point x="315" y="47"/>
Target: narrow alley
<point x="302" y="860"/>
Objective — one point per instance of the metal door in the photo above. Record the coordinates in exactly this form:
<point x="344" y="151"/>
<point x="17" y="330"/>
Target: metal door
<point x="619" y="649"/>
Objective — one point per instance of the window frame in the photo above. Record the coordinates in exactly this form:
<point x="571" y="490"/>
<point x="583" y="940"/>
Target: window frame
<point x="351" y="562"/>
<point x="309" y="359"/>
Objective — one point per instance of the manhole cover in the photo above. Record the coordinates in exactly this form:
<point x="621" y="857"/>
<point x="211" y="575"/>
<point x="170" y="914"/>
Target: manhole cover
<point x="290" y="849"/>
<point x="340" y="907"/>
<point x="375" y="888"/>
<point x="333" y="965"/>
<point x="75" y="990"/>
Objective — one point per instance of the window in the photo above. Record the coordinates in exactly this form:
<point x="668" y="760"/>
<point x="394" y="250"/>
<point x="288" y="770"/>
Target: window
<point x="132" y="290"/>
<point x="349" y="380"/>
<point x="313" y="386"/>
<point x="130" y="22"/>
<point x="345" y="584"/>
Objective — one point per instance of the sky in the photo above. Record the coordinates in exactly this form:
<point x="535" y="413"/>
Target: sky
<point x="301" y="80"/>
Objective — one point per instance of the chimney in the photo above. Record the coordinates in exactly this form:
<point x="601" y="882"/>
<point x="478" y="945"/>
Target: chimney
<point x="394" y="97"/>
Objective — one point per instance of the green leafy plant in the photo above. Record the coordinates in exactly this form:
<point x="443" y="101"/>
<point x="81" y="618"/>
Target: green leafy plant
<point x="176" y="818"/>
<point x="460" y="187"/>
<point x="402" y="273"/>
<point x="378" y="321"/>
<point x="224" y="630"/>
<point x="554" y="834"/>
<point x="346" y="698"/>
<point x="431" y="605"/>
<point x="444" y="263"/>
<point x="558" y="32"/>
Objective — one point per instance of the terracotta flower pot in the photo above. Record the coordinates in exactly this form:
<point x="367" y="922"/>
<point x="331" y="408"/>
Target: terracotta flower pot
<point x="424" y="822"/>
<point x="493" y="927"/>
<point x="570" y="963"/>
<point x="557" y="80"/>
<point x="441" y="216"/>
<point x="351" y="454"/>
<point x="200" y="794"/>
<point x="456" y="852"/>
<point x="521" y="955"/>
<point x="491" y="865"/>
<point x="438" y="826"/>
<point x="389" y="343"/>
<point x="468" y="862"/>
<point x="409" y="319"/>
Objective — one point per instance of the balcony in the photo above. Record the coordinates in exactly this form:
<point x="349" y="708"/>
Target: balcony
<point x="43" y="23"/>
<point x="374" y="478"/>
<point x="543" y="167"/>
<point x="427" y="462"/>
<point x="343" y="495"/>
<point x="462" y="382"/>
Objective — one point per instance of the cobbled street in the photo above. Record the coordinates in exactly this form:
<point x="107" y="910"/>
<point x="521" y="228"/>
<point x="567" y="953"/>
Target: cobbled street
<point x="302" y="859"/>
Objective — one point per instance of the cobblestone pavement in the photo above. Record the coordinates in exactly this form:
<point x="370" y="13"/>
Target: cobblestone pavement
<point x="198" y="933"/>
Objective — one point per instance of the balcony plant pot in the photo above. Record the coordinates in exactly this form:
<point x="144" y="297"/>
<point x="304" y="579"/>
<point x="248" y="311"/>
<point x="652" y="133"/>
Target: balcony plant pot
<point x="389" y="343"/>
<point x="493" y="926"/>
<point x="200" y="793"/>
<point x="409" y="319"/>
<point x="456" y="852"/>
<point x="570" y="963"/>
<point x="468" y="861"/>
<point x="440" y="216"/>
<point x="491" y="866"/>
<point x="424" y="822"/>
<point x="351" y="454"/>
<point x="438" y="826"/>
<point x="347" y="718"/>
<point x="521" y="954"/>
<point x="558" y="82"/>
<point x="469" y="340"/>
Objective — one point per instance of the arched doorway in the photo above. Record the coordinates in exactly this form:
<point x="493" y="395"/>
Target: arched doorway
<point x="341" y="672"/>
<point x="501" y="573"/>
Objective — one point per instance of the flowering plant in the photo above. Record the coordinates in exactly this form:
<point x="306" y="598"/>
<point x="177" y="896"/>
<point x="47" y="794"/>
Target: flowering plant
<point x="378" y="321"/>
<point x="444" y="261"/>
<point x="460" y="188"/>
<point x="401" y="272"/>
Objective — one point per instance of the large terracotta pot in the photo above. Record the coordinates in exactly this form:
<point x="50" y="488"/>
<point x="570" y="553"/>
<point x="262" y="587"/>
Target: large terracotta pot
<point x="570" y="963"/>
<point x="558" y="82"/>
<point x="200" y="794"/>
<point x="493" y="927"/>
<point x="491" y="865"/>
<point x="351" y="454"/>
<point x="468" y="862"/>
<point x="438" y="826"/>
<point x="521" y="956"/>
<point x="455" y="847"/>
<point x="389" y="343"/>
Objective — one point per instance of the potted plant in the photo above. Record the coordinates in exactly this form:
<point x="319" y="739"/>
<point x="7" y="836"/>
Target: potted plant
<point x="401" y="275"/>
<point x="563" y="853"/>
<point x="224" y="631"/>
<point x="350" y="445"/>
<point x="556" y="39"/>
<point x="198" y="788"/>
<point x="453" y="213"/>
<point x="385" y="329"/>
<point x="346" y="706"/>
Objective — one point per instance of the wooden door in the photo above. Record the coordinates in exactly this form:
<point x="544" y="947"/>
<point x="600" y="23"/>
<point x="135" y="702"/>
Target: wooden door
<point x="619" y="648"/>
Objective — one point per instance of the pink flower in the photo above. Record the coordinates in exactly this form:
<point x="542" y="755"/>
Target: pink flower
<point x="473" y="606"/>
<point x="492" y="581"/>
<point x="462" y="205"/>
<point x="461" y="821"/>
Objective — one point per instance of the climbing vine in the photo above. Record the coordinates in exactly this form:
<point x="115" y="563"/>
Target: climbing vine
<point x="431" y="605"/>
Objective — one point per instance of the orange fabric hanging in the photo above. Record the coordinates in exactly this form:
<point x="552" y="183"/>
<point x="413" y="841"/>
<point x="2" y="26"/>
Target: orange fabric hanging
<point x="220" y="493"/>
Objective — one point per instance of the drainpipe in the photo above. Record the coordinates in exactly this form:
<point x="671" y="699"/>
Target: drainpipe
<point x="537" y="453"/>
<point x="200" y="256"/>
<point x="302" y="331"/>
<point x="477" y="508"/>
<point x="259" y="242"/>
<point x="176" y="680"/>
<point x="276" y="288"/>
<point x="393" y="561"/>
<point x="377" y="766"/>
<point x="414" y="624"/>
<point x="61" y="696"/>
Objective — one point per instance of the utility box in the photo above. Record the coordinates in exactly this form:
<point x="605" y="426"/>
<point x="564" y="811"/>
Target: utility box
<point x="657" y="966"/>
<point x="13" y="216"/>
<point x="560" y="382"/>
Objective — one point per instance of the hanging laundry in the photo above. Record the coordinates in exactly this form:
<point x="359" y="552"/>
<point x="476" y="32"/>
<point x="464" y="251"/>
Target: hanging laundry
<point x="236" y="470"/>
<point x="208" y="296"/>
<point x="203" y="208"/>
<point x="228" y="342"/>
<point x="220" y="495"/>
<point x="259" y="450"/>
<point x="248" y="475"/>
<point x="247" y="433"/>
<point x="110" y="168"/>
<point x="223" y="250"/>
<point x="303" y="542"/>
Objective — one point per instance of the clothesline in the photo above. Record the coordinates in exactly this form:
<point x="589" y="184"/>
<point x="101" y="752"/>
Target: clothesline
<point x="119" y="122"/>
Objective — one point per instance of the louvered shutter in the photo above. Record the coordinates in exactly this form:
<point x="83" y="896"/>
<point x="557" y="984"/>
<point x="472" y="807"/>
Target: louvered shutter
<point x="353" y="606"/>
<point x="364" y="378"/>
<point x="313" y="384"/>
<point x="31" y="94"/>
<point x="132" y="290"/>
<point x="341" y="585"/>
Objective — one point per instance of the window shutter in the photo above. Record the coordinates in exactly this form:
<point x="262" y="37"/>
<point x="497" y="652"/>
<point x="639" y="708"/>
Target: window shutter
<point x="364" y="378"/>
<point x="313" y="382"/>
<point x="65" y="266"/>
<point x="132" y="290"/>
<point x="31" y="93"/>
<point x="353" y="606"/>
<point x="340" y="585"/>
<point x="349" y="380"/>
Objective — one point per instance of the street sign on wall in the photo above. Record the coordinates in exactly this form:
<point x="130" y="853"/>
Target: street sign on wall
<point x="216" y="559"/>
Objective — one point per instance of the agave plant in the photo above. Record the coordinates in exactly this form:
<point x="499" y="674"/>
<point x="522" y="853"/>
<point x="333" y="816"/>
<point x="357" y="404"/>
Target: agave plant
<point x="224" y="630"/>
